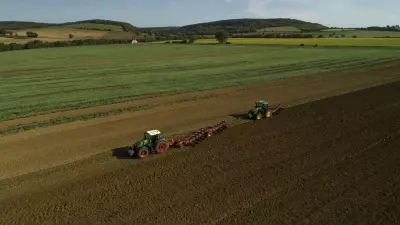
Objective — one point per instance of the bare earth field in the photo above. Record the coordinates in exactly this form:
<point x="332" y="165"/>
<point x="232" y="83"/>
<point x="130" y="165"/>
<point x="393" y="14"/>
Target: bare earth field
<point x="333" y="161"/>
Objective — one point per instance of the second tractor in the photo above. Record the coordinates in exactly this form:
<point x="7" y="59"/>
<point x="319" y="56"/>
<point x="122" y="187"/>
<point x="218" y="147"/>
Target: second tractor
<point x="262" y="110"/>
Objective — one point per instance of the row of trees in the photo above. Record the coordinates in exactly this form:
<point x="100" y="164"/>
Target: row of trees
<point x="335" y="36"/>
<point x="6" y="33"/>
<point x="19" y="25"/>
<point x="10" y="33"/>
<point x="387" y="28"/>
<point x="125" y="26"/>
<point x="187" y="40"/>
<point x="39" y="44"/>
<point x="32" y="34"/>
<point x="165" y="37"/>
<point x="274" y="35"/>
<point x="222" y="37"/>
<point x="84" y="28"/>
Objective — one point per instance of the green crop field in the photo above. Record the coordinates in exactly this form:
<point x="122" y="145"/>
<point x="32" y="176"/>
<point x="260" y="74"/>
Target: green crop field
<point x="40" y="81"/>
<point x="96" y="26"/>
<point x="358" y="33"/>
<point x="367" y="42"/>
<point x="337" y="29"/>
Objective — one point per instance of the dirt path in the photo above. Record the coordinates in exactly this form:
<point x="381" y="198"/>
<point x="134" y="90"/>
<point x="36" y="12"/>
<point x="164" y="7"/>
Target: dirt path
<point x="44" y="148"/>
<point x="333" y="161"/>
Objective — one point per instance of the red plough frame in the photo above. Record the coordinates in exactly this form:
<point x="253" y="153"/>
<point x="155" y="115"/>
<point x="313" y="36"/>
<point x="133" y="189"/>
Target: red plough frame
<point x="198" y="136"/>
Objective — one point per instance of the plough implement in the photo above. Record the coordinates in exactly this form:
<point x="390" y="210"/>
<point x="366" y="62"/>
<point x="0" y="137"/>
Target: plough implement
<point x="154" y="142"/>
<point x="199" y="135"/>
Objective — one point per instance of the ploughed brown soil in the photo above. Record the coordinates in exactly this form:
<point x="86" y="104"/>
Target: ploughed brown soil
<point x="333" y="161"/>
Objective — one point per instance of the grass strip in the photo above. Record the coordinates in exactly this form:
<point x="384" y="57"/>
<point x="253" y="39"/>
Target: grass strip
<point x="66" y="119"/>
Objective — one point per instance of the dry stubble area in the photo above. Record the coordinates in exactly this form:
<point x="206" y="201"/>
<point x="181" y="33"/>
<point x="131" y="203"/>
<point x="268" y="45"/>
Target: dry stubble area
<point x="333" y="161"/>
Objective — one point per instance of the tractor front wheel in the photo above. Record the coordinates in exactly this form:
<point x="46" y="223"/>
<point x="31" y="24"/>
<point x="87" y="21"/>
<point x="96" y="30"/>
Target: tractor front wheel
<point x="162" y="146"/>
<point x="259" y="116"/>
<point x="143" y="152"/>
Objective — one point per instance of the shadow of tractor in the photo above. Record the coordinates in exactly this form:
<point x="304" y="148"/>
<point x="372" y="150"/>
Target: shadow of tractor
<point x="121" y="153"/>
<point x="241" y="116"/>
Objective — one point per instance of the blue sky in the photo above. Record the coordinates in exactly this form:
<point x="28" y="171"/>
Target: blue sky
<point x="345" y="13"/>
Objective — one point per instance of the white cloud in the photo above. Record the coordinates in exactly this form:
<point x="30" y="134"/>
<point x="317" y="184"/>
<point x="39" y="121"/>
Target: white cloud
<point x="331" y="13"/>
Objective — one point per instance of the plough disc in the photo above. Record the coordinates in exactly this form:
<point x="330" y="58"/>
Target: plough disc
<point x="198" y="136"/>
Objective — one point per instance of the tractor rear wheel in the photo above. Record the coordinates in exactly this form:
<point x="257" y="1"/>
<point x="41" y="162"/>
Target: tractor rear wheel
<point x="162" y="146"/>
<point x="143" y="152"/>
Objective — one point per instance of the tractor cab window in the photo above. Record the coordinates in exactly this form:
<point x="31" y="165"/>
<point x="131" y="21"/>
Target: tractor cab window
<point x="155" y="137"/>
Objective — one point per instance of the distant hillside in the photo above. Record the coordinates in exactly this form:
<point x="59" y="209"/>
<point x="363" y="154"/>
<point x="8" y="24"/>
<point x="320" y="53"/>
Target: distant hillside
<point x="125" y="26"/>
<point x="160" y="28"/>
<point x="17" y="31"/>
<point x="232" y="26"/>
<point x="20" y="25"/>
<point x="249" y="25"/>
<point x="95" y="26"/>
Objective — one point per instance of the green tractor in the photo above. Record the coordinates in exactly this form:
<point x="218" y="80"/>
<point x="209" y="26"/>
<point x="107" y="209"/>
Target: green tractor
<point x="262" y="110"/>
<point x="152" y="142"/>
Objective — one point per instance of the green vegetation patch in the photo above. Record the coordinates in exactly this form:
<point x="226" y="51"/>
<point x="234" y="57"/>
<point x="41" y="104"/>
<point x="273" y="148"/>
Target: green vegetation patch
<point x="18" y="25"/>
<point x="249" y="25"/>
<point x="41" y="81"/>
<point x="12" y="25"/>
<point x="352" y="33"/>
<point x="338" y="29"/>
<point x="356" y="42"/>
<point x="280" y="29"/>
<point x="66" y="119"/>
<point x="94" y="26"/>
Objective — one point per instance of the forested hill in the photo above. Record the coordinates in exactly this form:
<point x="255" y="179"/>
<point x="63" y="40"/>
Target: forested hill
<point x="249" y="25"/>
<point x="232" y="26"/>
<point x="19" y="25"/>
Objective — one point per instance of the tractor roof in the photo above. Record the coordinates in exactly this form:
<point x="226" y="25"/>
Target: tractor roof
<point x="263" y="102"/>
<point x="153" y="132"/>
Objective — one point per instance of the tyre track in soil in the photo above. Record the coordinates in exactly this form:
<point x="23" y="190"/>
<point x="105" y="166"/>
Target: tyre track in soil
<point x="332" y="161"/>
